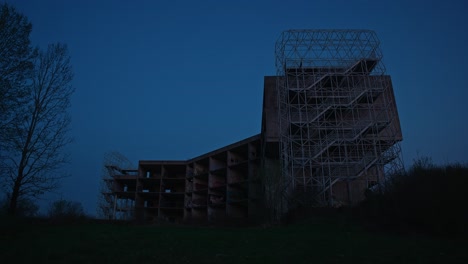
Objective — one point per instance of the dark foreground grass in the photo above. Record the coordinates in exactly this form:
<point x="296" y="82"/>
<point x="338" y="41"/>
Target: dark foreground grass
<point x="314" y="241"/>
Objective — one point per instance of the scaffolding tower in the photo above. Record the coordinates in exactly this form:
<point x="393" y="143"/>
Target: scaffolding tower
<point x="339" y="124"/>
<point x="115" y="202"/>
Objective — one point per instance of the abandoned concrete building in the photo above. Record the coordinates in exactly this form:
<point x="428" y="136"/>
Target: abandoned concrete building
<point x="330" y="130"/>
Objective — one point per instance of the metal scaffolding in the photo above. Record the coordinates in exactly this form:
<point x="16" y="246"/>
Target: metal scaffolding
<point x="114" y="202"/>
<point x="339" y="124"/>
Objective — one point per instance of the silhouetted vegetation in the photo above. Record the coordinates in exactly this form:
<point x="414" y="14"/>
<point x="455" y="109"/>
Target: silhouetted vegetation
<point x="25" y="207"/>
<point x="66" y="211"/>
<point x="35" y="93"/>
<point x="429" y="198"/>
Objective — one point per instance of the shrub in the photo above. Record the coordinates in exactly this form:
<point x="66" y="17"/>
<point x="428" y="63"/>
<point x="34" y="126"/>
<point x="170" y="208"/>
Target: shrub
<point x="25" y="207"/>
<point x="66" y="210"/>
<point x="428" y="198"/>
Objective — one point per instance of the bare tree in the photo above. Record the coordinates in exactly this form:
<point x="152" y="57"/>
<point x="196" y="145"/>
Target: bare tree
<point x="275" y="197"/>
<point x="16" y="56"/>
<point x="34" y="154"/>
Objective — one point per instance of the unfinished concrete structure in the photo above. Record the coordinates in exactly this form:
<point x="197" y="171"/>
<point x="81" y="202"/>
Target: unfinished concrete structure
<point x="330" y="130"/>
<point x="218" y="185"/>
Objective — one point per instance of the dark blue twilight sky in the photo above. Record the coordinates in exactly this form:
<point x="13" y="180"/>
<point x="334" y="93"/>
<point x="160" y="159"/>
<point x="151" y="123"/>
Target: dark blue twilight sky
<point x="176" y="79"/>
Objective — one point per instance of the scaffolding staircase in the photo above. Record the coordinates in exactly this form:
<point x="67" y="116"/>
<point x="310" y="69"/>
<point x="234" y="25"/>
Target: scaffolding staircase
<point x="310" y="148"/>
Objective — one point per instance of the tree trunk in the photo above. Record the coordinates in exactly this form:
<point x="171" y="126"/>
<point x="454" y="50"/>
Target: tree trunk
<point x="14" y="197"/>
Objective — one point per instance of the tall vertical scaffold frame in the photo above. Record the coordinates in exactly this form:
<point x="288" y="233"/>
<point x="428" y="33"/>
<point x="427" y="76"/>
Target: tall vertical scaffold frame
<point x="338" y="119"/>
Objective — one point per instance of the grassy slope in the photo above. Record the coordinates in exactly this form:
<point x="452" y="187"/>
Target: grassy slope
<point x="315" y="241"/>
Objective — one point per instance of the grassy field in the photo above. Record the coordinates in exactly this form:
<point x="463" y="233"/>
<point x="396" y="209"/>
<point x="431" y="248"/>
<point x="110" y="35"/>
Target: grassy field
<point x="314" y="241"/>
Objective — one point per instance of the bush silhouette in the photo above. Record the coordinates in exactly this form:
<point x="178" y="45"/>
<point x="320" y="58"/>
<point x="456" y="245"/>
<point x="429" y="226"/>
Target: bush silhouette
<point x="63" y="210"/>
<point x="427" y="198"/>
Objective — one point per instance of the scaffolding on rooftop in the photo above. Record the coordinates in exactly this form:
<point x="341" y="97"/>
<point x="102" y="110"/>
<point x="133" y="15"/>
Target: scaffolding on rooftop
<point x="338" y="119"/>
